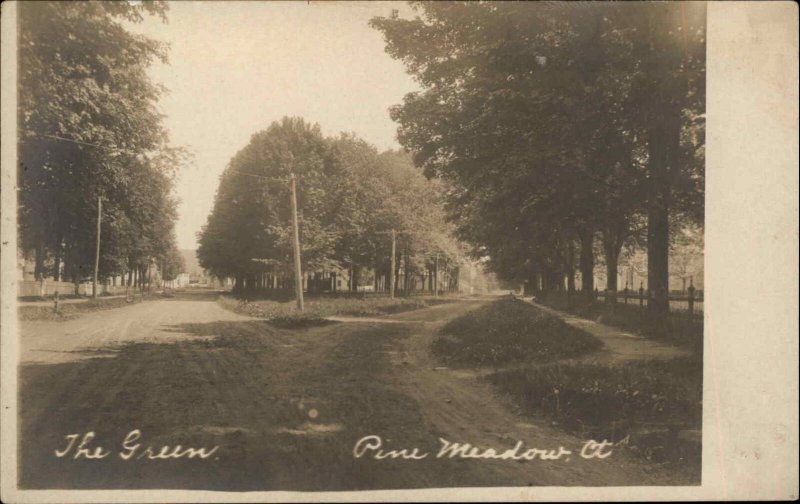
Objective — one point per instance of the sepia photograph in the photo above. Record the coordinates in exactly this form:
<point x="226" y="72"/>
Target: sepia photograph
<point x="352" y="246"/>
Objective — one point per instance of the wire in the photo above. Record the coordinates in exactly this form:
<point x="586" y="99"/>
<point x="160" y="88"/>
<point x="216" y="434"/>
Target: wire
<point x="273" y="179"/>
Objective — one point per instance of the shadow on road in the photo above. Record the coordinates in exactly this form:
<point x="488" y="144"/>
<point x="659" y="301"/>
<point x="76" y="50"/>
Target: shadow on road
<point x="284" y="407"/>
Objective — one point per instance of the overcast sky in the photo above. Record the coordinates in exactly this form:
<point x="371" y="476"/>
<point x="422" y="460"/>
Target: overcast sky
<point x="237" y="66"/>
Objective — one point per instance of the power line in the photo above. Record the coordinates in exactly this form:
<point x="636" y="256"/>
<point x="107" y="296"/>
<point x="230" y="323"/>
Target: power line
<point x="272" y="179"/>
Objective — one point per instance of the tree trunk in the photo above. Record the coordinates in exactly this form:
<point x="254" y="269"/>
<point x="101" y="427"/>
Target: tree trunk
<point x="57" y="262"/>
<point x="570" y="265"/>
<point x="669" y="90"/>
<point x="586" y="261"/>
<point x="530" y="286"/>
<point x="73" y="273"/>
<point x="38" y="270"/>
<point x="612" y="261"/>
<point x="663" y="150"/>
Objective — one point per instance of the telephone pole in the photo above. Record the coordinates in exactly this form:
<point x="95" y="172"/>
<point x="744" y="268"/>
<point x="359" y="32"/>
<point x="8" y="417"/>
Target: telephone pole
<point x="97" y="247"/>
<point x="392" y="282"/>
<point x="436" y="276"/>
<point x="391" y="273"/>
<point x="298" y="276"/>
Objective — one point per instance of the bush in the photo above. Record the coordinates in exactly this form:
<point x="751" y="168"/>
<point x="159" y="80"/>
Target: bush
<point x="509" y="330"/>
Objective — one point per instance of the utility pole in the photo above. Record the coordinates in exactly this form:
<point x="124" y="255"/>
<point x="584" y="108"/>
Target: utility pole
<point x="436" y="276"/>
<point x="97" y="247"/>
<point x="298" y="276"/>
<point x="394" y="234"/>
<point x="391" y="273"/>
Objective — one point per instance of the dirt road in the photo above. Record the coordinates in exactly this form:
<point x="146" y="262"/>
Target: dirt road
<point x="274" y="409"/>
<point x="105" y="331"/>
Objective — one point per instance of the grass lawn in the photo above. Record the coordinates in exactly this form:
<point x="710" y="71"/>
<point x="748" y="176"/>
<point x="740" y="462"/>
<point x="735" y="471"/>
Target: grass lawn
<point x="652" y="408"/>
<point x="656" y="405"/>
<point x="506" y="331"/>
<point x="67" y="311"/>
<point x="284" y="313"/>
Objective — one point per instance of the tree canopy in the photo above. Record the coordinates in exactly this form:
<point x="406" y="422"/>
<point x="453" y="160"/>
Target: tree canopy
<point x="89" y="129"/>
<point x="349" y="197"/>
<point x="557" y="124"/>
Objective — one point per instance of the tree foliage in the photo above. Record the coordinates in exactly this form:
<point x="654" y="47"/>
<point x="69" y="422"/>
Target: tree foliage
<point x="349" y="197"/>
<point x="89" y="129"/>
<point x="552" y="123"/>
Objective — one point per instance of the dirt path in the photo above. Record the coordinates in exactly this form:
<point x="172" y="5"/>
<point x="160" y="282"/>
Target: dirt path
<point x="620" y="346"/>
<point x="466" y="408"/>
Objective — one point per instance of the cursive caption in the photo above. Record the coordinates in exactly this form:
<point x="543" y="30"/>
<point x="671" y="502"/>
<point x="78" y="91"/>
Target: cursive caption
<point x="84" y="447"/>
<point x="372" y="447"/>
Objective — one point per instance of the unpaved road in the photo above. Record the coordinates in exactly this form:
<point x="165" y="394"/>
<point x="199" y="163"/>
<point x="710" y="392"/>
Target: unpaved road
<point x="284" y="408"/>
<point x="105" y="331"/>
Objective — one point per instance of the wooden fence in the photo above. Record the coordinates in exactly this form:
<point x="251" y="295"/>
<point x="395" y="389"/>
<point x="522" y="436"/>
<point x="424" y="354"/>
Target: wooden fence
<point x="692" y="302"/>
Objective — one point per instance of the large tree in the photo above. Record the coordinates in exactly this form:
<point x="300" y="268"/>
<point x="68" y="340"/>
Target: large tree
<point x="350" y="197"/>
<point x="89" y="129"/>
<point x="542" y="117"/>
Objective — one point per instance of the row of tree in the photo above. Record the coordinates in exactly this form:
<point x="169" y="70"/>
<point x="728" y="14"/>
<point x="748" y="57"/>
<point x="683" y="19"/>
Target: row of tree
<point x="350" y="198"/>
<point x="88" y="131"/>
<point x="559" y="126"/>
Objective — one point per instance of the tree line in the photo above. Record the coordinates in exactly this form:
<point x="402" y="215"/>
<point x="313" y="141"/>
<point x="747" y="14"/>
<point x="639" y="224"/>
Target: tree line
<point x="89" y="130"/>
<point x="350" y="197"/>
<point x="567" y="131"/>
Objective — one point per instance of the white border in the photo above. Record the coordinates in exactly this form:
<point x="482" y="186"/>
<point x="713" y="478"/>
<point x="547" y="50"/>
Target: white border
<point x="751" y="370"/>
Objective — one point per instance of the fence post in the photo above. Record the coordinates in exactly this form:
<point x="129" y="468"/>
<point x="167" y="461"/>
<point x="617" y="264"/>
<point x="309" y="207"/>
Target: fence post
<point x="691" y="299"/>
<point x="55" y="302"/>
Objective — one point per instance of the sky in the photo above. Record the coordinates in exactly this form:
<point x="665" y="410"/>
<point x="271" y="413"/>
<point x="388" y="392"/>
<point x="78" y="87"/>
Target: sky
<point x="235" y="67"/>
